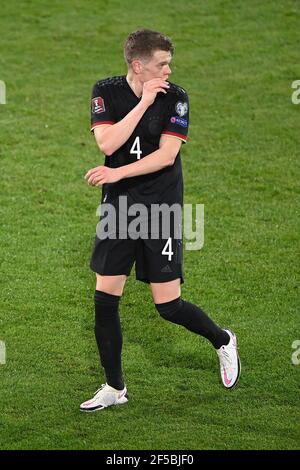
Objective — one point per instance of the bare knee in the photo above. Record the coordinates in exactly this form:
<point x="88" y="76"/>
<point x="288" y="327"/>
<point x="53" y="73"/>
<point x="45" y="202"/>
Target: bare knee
<point x="113" y="285"/>
<point x="165" y="291"/>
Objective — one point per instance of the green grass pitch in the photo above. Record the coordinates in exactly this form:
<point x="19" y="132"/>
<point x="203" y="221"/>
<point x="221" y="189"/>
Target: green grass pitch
<point x="237" y="60"/>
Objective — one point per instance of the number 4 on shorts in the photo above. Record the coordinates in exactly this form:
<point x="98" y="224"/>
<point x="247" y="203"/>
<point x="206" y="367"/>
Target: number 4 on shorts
<point x="168" y="246"/>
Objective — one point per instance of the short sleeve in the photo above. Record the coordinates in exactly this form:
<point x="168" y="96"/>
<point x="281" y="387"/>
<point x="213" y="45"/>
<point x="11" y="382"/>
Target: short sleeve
<point x="102" y="111"/>
<point x="177" y="116"/>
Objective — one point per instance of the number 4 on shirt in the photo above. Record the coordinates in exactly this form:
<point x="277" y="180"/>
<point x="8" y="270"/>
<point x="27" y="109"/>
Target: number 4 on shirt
<point x="136" y="148"/>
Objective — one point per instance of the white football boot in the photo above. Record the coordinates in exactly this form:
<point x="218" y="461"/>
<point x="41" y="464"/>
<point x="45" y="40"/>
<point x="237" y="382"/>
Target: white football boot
<point x="230" y="364"/>
<point x="104" y="397"/>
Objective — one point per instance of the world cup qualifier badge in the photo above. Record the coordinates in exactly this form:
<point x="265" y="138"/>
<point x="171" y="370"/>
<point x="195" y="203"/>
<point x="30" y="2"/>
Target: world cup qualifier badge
<point x="98" y="105"/>
<point x="181" y="108"/>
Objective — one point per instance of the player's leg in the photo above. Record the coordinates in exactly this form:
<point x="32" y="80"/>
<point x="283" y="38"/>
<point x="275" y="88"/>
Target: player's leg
<point x="113" y="285"/>
<point x="171" y="307"/>
<point x="108" y="333"/>
<point x="162" y="267"/>
<point x="114" y="260"/>
<point x="108" y="336"/>
<point x="165" y="291"/>
<point x="160" y="263"/>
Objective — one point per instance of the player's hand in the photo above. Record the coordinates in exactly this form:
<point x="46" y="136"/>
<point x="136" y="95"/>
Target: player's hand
<point x="151" y="88"/>
<point x="102" y="174"/>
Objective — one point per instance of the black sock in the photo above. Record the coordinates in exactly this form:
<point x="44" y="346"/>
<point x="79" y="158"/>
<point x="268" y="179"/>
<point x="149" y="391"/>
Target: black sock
<point x="109" y="337"/>
<point x="194" y="319"/>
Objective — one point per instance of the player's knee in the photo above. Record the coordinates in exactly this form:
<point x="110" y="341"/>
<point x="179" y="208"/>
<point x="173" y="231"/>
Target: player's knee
<point x="113" y="285"/>
<point x="168" y="310"/>
<point x="106" y="307"/>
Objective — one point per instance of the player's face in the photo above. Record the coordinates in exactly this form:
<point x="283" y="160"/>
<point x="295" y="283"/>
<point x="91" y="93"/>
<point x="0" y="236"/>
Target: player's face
<point x="157" y="67"/>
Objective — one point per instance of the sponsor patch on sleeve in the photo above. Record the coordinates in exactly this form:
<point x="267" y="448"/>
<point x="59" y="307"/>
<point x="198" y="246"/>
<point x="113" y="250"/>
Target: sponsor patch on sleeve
<point x="180" y="121"/>
<point x="98" y="105"/>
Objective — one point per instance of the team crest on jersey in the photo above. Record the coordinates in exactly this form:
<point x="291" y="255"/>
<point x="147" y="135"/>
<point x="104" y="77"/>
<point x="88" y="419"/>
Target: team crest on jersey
<point x="181" y="108"/>
<point x="98" y="105"/>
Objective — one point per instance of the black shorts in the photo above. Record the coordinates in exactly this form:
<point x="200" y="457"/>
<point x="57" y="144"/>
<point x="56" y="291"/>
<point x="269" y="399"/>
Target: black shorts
<point x="156" y="260"/>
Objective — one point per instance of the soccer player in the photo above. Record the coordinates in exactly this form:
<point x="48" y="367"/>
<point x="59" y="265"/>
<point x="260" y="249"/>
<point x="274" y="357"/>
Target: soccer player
<point x="140" y="122"/>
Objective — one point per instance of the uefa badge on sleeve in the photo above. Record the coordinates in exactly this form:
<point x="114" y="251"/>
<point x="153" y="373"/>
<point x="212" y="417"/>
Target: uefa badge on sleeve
<point x="181" y="108"/>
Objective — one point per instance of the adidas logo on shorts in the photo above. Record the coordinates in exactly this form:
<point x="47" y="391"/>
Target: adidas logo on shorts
<point x="166" y="269"/>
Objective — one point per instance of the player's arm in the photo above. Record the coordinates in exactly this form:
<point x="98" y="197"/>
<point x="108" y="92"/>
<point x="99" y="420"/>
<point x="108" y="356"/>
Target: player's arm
<point x="155" y="161"/>
<point x="165" y="156"/>
<point x="110" y="138"/>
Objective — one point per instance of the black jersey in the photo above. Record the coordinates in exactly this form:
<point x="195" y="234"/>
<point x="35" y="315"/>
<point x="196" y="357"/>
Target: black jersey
<point x="112" y="100"/>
